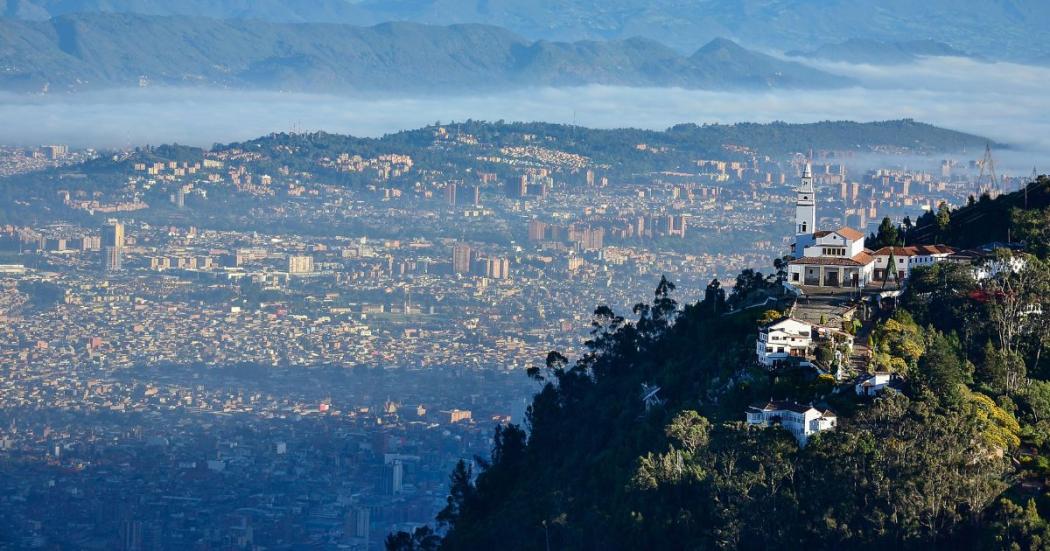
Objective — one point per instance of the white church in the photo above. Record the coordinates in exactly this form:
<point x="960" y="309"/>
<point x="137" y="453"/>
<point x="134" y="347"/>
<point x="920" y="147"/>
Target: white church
<point x="834" y="258"/>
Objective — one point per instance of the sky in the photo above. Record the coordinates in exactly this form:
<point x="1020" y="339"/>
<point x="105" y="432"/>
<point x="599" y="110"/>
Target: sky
<point x="1003" y="101"/>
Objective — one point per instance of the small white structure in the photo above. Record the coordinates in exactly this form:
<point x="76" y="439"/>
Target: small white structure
<point x="993" y="266"/>
<point x="802" y="421"/>
<point x="872" y="384"/>
<point x="782" y="339"/>
<point x="906" y="258"/>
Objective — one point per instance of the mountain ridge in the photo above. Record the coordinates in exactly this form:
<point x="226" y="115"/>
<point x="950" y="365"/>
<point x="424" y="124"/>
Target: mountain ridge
<point x="876" y="52"/>
<point x="83" y="51"/>
<point x="999" y="32"/>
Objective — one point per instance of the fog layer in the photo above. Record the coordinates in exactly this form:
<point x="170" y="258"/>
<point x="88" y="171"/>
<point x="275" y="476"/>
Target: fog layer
<point x="1006" y="102"/>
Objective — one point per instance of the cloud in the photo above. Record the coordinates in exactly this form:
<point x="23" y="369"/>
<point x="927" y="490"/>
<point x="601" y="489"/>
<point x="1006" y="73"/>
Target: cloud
<point x="1006" y="102"/>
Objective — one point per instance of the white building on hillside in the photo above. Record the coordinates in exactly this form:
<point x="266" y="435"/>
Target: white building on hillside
<point x="800" y="420"/>
<point x="907" y="258"/>
<point x="782" y="339"/>
<point x="825" y="258"/>
<point x="871" y="384"/>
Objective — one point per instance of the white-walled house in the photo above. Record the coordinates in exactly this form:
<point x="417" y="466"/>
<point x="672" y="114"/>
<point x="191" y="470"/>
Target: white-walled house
<point x="782" y="339"/>
<point x="993" y="266"/>
<point x="802" y="421"/>
<point x="871" y="384"/>
<point x="907" y="258"/>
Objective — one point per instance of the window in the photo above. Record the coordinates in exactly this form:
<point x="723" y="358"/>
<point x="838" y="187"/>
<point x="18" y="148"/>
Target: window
<point x="794" y="276"/>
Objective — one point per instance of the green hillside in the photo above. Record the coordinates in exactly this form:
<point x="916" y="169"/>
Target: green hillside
<point x="956" y="459"/>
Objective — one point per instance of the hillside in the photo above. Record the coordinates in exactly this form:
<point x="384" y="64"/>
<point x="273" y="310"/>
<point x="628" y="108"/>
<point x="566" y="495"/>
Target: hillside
<point x="85" y="51"/>
<point x="956" y="458"/>
<point x="998" y="30"/>
<point x="1008" y="218"/>
<point x="677" y="145"/>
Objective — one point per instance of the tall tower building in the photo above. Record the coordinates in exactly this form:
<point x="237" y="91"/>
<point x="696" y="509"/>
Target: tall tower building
<point x="113" y="234"/>
<point x="461" y="258"/>
<point x="450" y="194"/>
<point x="805" y="205"/>
<point x="112" y="246"/>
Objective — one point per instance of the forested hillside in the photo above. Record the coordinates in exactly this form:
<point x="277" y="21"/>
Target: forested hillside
<point x="957" y="458"/>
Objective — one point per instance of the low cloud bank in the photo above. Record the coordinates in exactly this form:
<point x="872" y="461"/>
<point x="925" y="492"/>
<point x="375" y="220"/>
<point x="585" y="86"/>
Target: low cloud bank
<point x="1006" y="102"/>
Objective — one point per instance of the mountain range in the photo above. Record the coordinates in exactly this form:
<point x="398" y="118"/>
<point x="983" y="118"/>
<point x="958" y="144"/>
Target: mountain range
<point x="875" y="52"/>
<point x="1000" y="29"/>
<point x="99" y="50"/>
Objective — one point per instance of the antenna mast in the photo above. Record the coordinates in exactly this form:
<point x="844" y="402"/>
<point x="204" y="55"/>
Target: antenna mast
<point x="988" y="169"/>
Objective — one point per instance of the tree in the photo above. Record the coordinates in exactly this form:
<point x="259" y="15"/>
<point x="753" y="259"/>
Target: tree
<point x="422" y="539"/>
<point x="1037" y="398"/>
<point x="1014" y="527"/>
<point x="888" y="235"/>
<point x="891" y="270"/>
<point x="461" y="494"/>
<point x="944" y="220"/>
<point x="942" y="370"/>
<point x="689" y="429"/>
<point x="1002" y="370"/>
<point x="1017" y="298"/>
<point x="1032" y="226"/>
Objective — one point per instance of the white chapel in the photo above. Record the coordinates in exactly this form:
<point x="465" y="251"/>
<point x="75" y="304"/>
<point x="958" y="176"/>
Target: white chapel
<point x="834" y="258"/>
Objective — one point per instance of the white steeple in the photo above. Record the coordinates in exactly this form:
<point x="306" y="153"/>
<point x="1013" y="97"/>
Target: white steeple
<point x="805" y="204"/>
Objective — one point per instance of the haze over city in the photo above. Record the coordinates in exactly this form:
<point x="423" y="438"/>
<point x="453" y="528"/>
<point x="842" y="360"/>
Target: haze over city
<point x="550" y="274"/>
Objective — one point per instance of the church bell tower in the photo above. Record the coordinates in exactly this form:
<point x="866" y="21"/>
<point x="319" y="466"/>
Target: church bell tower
<point x="805" y="204"/>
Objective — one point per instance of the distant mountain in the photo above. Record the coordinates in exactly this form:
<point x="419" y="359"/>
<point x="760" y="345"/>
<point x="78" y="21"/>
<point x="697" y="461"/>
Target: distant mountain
<point x="85" y="51"/>
<point x="874" y="52"/>
<point x="1000" y="30"/>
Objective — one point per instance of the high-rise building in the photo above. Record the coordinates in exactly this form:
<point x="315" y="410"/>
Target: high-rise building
<point x="112" y="246"/>
<point x="676" y="226"/>
<point x="359" y="522"/>
<point x="477" y="196"/>
<point x="537" y="230"/>
<point x="55" y="152"/>
<point x="113" y="234"/>
<point x="395" y="477"/>
<point x="450" y="194"/>
<point x="461" y="256"/>
<point x="518" y="187"/>
<point x="300" y="264"/>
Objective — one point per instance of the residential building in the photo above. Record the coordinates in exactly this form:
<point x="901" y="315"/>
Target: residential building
<point x="300" y="264"/>
<point x="802" y="421"/>
<point x="783" y="339"/>
<point x="871" y="384"/>
<point x="906" y="258"/>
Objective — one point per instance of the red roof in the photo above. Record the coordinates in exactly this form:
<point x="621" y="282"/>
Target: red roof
<point x="860" y="259"/>
<point x="850" y="233"/>
<point x="915" y="250"/>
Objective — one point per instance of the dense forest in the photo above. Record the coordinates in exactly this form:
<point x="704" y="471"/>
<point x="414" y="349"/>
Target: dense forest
<point x="957" y="458"/>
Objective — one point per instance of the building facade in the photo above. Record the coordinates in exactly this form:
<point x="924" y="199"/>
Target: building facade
<point x="783" y="339"/>
<point x="835" y="258"/>
<point x="802" y="421"/>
